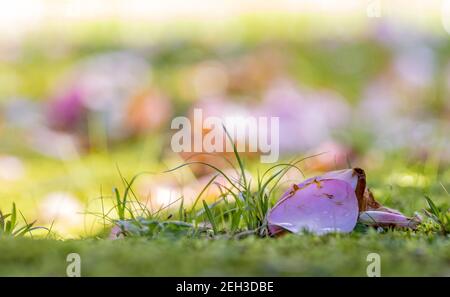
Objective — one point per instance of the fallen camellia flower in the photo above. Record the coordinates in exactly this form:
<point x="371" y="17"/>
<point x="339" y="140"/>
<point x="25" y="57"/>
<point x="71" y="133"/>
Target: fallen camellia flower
<point x="333" y="202"/>
<point x="319" y="206"/>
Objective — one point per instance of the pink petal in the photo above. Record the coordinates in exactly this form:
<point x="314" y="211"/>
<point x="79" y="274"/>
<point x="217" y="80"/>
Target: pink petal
<point x="355" y="177"/>
<point x="347" y="175"/>
<point x="318" y="206"/>
<point x="385" y="219"/>
<point x="116" y="233"/>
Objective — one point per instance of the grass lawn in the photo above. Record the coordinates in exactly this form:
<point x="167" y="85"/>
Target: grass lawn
<point x="308" y="255"/>
<point x="400" y="185"/>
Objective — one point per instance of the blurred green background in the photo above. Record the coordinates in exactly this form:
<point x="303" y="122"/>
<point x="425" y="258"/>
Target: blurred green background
<point x="88" y="90"/>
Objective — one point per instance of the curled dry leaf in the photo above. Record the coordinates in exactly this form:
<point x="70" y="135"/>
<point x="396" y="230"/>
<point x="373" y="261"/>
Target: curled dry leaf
<point x="333" y="202"/>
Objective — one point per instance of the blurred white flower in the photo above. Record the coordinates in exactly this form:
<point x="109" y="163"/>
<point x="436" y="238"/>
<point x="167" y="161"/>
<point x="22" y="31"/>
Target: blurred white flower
<point x="158" y="193"/>
<point x="63" y="208"/>
<point x="11" y="168"/>
<point x="54" y="144"/>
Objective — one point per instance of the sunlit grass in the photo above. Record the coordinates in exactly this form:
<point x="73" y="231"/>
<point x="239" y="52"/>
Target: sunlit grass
<point x="402" y="254"/>
<point x="178" y="234"/>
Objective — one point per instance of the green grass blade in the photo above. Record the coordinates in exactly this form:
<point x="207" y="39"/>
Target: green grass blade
<point x="238" y="158"/>
<point x="13" y="216"/>
<point x="210" y="216"/>
<point x="433" y="208"/>
<point x="202" y="191"/>
<point x="8" y="227"/>
<point x="119" y="205"/>
<point x="235" y="220"/>
<point x="181" y="213"/>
